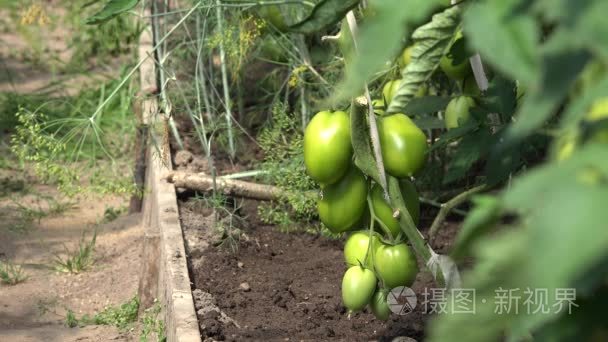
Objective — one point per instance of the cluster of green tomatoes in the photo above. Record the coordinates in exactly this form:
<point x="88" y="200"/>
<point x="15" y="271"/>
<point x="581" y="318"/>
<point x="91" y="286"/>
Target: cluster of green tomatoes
<point x="377" y="259"/>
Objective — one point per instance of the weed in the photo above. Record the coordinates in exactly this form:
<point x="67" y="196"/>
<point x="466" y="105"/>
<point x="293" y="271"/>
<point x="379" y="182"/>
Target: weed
<point x="70" y="319"/>
<point x="11" y="274"/>
<point x="226" y="221"/>
<point x="110" y="213"/>
<point x="118" y="316"/>
<point x="59" y="141"/>
<point x="23" y="216"/>
<point x="282" y="143"/>
<point x="79" y="260"/>
<point x="151" y="324"/>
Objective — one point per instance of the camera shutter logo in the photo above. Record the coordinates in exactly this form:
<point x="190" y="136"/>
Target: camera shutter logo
<point x="402" y="300"/>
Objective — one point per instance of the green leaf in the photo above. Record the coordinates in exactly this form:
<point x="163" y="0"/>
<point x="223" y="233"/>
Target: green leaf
<point x="478" y="222"/>
<point x="426" y="105"/>
<point x="559" y="241"/>
<point x="592" y="28"/>
<point x="359" y="133"/>
<point x="379" y="39"/>
<point x="580" y="104"/>
<point x="429" y="122"/>
<point x="508" y="42"/>
<point x="323" y="15"/>
<point x="430" y="42"/>
<point x="501" y="98"/>
<point x="470" y="149"/>
<point x="560" y="72"/>
<point x="455" y="133"/>
<point x="112" y="9"/>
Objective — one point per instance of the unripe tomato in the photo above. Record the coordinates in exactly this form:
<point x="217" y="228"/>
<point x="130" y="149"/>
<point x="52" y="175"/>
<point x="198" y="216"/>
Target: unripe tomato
<point x="272" y="15"/>
<point x="343" y="202"/>
<point x="384" y="212"/>
<point x="395" y="265"/>
<point x="455" y="71"/>
<point x="327" y="146"/>
<point x="406" y="57"/>
<point x="458" y="111"/>
<point x="356" y="248"/>
<point x="379" y="305"/>
<point x="389" y="90"/>
<point x="358" y="286"/>
<point x="403" y="145"/>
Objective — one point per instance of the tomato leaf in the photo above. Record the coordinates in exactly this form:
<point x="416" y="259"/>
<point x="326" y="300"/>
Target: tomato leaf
<point x="379" y="39"/>
<point x="560" y="205"/>
<point x="430" y="42"/>
<point x="470" y="149"/>
<point x="455" y="133"/>
<point x="479" y="220"/>
<point x="112" y="9"/>
<point x="500" y="98"/>
<point x="511" y="45"/>
<point x="359" y="133"/>
<point x="323" y="15"/>
<point x="426" y="105"/>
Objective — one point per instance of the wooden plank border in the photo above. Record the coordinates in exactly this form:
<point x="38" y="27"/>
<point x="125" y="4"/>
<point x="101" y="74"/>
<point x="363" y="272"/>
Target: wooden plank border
<point x="164" y="273"/>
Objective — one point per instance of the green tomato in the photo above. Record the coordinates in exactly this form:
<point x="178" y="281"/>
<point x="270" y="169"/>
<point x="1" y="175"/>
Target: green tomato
<point x="455" y="71"/>
<point x="389" y="90"/>
<point x="403" y="145"/>
<point x="327" y="146"/>
<point x="356" y="247"/>
<point x="358" y="286"/>
<point x="458" y="111"/>
<point x="406" y="57"/>
<point x="384" y="212"/>
<point x="379" y="305"/>
<point x="395" y="265"/>
<point x="272" y="15"/>
<point x="344" y="202"/>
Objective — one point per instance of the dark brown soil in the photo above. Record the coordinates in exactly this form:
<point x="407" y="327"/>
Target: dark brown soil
<point x="283" y="286"/>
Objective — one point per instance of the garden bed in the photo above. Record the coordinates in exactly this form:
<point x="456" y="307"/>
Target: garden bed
<point x="264" y="284"/>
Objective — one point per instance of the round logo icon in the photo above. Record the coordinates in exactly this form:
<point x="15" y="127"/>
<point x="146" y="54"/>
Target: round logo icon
<point x="402" y="300"/>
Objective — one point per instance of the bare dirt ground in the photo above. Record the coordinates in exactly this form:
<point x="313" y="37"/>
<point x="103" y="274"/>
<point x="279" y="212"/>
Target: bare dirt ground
<point x="36" y="309"/>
